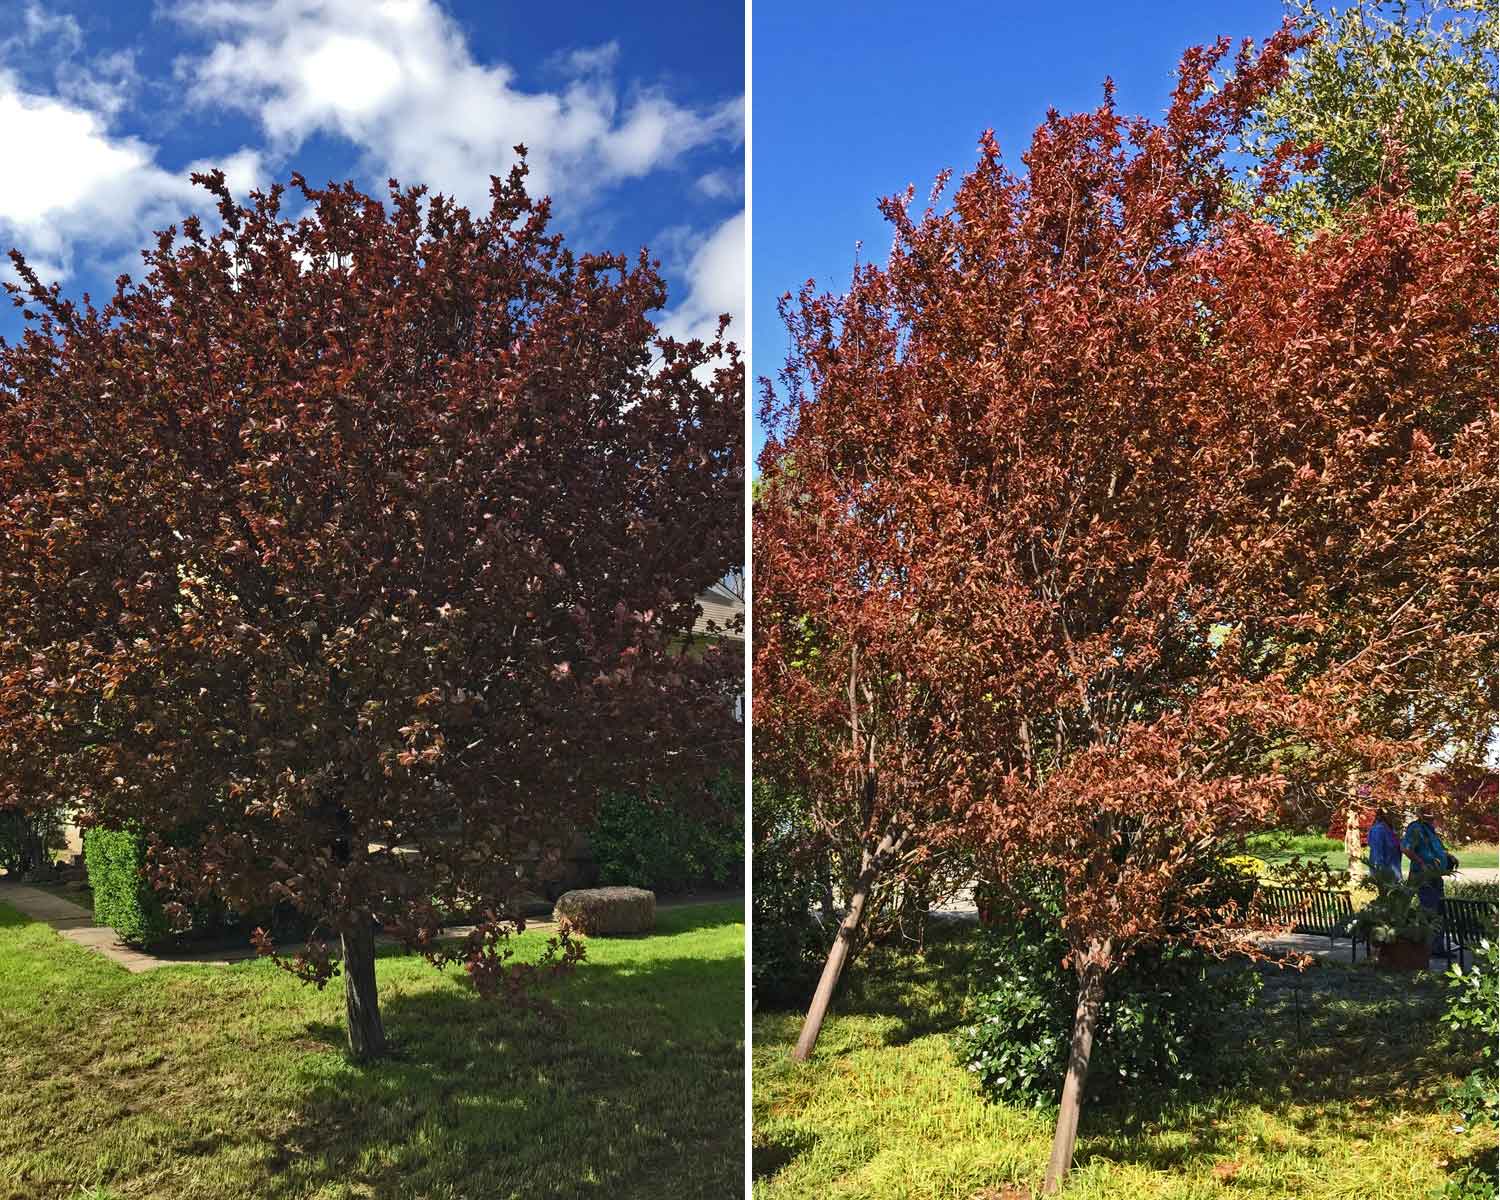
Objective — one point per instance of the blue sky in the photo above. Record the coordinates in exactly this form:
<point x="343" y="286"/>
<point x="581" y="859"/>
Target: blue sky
<point x="852" y="102"/>
<point x="634" y="125"/>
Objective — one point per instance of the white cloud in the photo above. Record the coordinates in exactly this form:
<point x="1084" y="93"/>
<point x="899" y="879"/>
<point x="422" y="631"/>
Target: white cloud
<point x="393" y="77"/>
<point x="716" y="284"/>
<point x="105" y="84"/>
<point x="592" y="59"/>
<point x="396" y="78"/>
<point x="70" y="186"/>
<point x="721" y="185"/>
<point x="37" y="25"/>
<point x="44" y="44"/>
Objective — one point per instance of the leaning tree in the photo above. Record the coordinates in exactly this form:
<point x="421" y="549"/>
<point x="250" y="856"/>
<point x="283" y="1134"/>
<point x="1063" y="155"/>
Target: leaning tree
<point x="1113" y="509"/>
<point x="350" y="557"/>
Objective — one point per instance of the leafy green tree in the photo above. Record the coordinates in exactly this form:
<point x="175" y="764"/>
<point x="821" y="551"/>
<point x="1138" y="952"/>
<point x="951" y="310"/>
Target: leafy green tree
<point x="1384" y="86"/>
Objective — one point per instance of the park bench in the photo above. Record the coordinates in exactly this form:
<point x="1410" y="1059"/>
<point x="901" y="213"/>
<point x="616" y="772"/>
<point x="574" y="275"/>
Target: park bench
<point x="1307" y="910"/>
<point x="1465" y="924"/>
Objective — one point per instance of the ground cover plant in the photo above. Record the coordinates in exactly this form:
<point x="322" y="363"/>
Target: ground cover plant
<point x="1107" y="505"/>
<point x="221" y="1083"/>
<point x="1345" y="1076"/>
<point x="351" y="558"/>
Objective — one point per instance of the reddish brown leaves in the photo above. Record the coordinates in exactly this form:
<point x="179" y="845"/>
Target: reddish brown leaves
<point x="1135" y="515"/>
<point x="355" y="554"/>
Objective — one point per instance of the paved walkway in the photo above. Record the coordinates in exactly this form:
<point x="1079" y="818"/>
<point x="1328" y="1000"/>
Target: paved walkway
<point x="1338" y="951"/>
<point x="961" y="907"/>
<point x="76" y="923"/>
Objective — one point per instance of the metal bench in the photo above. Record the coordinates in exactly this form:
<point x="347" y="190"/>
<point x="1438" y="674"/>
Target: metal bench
<point x="1465" y="924"/>
<point x="1307" y="910"/>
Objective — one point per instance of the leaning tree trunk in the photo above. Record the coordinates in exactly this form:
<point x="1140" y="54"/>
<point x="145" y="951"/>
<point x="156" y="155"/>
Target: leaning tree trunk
<point x="361" y="1002"/>
<point x="1086" y="1018"/>
<point x="838" y="955"/>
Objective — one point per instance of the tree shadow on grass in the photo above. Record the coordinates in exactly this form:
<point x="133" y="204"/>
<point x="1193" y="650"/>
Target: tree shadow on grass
<point x="634" y="1088"/>
<point x="1326" y="1046"/>
<point x="922" y="993"/>
<point x="769" y="1156"/>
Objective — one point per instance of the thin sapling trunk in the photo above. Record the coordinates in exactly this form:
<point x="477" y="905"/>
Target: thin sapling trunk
<point x="361" y="1001"/>
<point x="838" y="955"/>
<point x="1085" y="1020"/>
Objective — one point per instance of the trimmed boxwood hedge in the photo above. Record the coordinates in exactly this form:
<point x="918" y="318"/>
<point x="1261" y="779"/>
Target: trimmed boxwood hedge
<point x="123" y="898"/>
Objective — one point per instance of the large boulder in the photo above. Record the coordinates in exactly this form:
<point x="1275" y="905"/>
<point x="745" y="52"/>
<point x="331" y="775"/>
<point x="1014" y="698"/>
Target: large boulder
<point x="601" y="911"/>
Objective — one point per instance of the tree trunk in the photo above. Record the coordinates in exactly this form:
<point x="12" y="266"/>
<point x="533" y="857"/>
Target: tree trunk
<point x="1090" y="996"/>
<point x="361" y="1002"/>
<point x="870" y="865"/>
<point x="1353" y="848"/>
<point x="834" y="967"/>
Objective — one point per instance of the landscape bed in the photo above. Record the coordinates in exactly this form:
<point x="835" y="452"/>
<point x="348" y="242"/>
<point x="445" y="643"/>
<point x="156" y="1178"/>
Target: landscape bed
<point x="209" y="1082"/>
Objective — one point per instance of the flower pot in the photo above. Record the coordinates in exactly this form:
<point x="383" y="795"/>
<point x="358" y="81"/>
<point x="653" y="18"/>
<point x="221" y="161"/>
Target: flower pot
<point x="1404" y="955"/>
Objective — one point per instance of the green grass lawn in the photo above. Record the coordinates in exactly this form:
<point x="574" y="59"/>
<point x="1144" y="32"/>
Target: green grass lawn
<point x="1478" y="854"/>
<point x="208" y="1082"/>
<point x="1341" y="1105"/>
<point x="1279" y="847"/>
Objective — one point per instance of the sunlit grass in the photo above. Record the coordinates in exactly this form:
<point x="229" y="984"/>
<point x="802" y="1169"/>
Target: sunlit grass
<point x="232" y="1082"/>
<point x="1343" y="1104"/>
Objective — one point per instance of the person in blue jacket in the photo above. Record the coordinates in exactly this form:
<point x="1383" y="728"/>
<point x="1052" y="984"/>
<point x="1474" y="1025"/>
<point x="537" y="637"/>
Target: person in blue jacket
<point x="1422" y="845"/>
<point x="1385" y="848"/>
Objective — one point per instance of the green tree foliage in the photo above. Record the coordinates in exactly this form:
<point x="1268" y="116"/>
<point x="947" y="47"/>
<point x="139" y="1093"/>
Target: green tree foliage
<point x="27" y="838"/>
<point x="1160" y="1026"/>
<point x="648" y="840"/>
<point x="1384" y="86"/>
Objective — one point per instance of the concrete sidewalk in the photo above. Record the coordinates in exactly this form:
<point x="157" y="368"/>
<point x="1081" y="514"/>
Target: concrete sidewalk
<point x="76" y="923"/>
<point x="1338" y="951"/>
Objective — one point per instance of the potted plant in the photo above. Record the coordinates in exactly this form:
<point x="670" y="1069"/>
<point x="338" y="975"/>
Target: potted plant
<point x="1397" y="926"/>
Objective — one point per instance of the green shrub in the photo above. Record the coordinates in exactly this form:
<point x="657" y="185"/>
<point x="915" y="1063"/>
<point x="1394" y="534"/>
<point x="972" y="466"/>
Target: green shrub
<point x="1471" y="889"/>
<point x="1161" y="1019"/>
<point x="1275" y="842"/>
<point x="789" y="944"/>
<point x="1472" y="1017"/>
<point x="639" y="842"/>
<point x="123" y="898"/>
<point x="1309" y="873"/>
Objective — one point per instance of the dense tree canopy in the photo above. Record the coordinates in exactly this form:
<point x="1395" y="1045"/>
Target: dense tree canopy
<point x="351" y="556"/>
<point x="1386" y="86"/>
<point x="1113" y="505"/>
